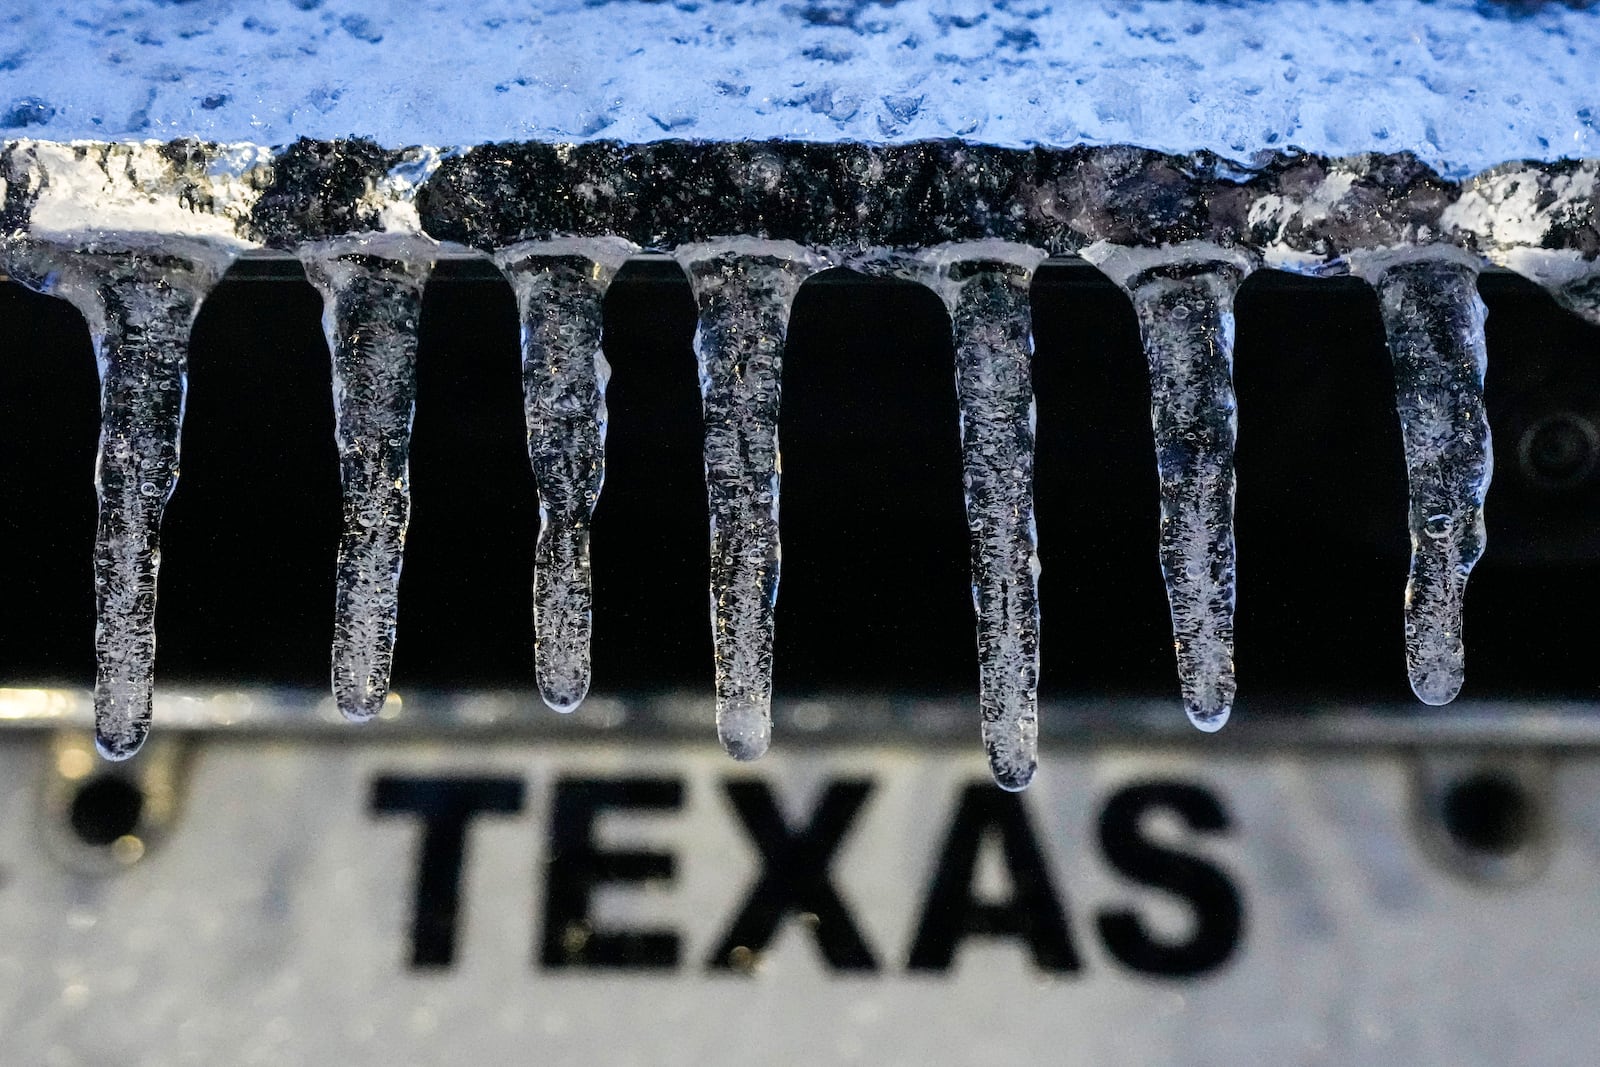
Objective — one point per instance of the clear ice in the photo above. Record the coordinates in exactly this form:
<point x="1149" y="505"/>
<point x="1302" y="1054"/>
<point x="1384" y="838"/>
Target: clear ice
<point x="560" y="292"/>
<point x="140" y="308"/>
<point x="1434" y="320"/>
<point x="1185" y="314"/>
<point x="992" y="324"/>
<point x="967" y="217"/>
<point x="371" y="306"/>
<point x="744" y="290"/>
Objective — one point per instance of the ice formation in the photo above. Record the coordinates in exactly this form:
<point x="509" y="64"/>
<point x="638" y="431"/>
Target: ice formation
<point x="140" y="308"/>
<point x="1183" y="297"/>
<point x="1330" y="76"/>
<point x="985" y="289"/>
<point x="371" y="306"/>
<point x="139" y="296"/>
<point x="744" y="289"/>
<point x="1434" y="320"/>
<point x="1178" y="146"/>
<point x="560" y="286"/>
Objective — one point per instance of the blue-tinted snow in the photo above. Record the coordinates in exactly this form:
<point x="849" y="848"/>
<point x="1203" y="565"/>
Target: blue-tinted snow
<point x="1462" y="83"/>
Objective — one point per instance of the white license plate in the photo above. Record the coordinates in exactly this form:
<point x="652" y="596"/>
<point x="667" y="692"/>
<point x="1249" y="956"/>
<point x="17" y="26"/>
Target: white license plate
<point x="369" y="897"/>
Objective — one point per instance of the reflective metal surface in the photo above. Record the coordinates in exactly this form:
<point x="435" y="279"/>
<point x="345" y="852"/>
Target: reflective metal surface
<point x="446" y="886"/>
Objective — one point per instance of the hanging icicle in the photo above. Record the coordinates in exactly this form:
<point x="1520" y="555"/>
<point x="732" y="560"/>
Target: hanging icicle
<point x="1183" y="297"/>
<point x="140" y="307"/>
<point x="371" y="307"/>
<point x="985" y="288"/>
<point x="744" y="289"/>
<point x="1434" y="320"/>
<point x="560" y="288"/>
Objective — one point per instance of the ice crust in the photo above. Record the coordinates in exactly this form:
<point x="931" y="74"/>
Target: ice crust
<point x="1463" y="84"/>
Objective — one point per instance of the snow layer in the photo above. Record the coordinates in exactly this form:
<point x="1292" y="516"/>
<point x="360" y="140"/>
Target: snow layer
<point x="1462" y="83"/>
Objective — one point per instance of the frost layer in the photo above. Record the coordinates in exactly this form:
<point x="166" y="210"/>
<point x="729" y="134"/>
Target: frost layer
<point x="1462" y="83"/>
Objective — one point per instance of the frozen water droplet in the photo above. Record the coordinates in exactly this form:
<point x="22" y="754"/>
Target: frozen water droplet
<point x="992" y="327"/>
<point x="148" y="488"/>
<point x="564" y="374"/>
<point x="1210" y="713"/>
<point x="744" y="298"/>
<point x="744" y="728"/>
<point x="121" y="741"/>
<point x="370" y="306"/>
<point x="1187" y="325"/>
<point x="1434" y="320"/>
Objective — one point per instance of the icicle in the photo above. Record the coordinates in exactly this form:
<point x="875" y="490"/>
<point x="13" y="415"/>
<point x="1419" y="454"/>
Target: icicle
<point x="560" y="288"/>
<point x="744" y="289"/>
<point x="140" y="308"/>
<point x="1183" y="297"/>
<point x="371" y="305"/>
<point x="985" y="288"/>
<point x="1434" y="320"/>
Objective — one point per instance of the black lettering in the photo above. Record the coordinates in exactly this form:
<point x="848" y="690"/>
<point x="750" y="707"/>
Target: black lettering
<point x="1210" y="894"/>
<point x="794" y="876"/>
<point x="445" y="806"/>
<point x="1033" y="912"/>
<point x="577" y="866"/>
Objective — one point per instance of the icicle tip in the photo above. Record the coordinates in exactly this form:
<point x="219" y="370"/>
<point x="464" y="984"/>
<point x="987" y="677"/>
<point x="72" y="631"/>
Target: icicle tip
<point x="1209" y="719"/>
<point x="1013" y="755"/>
<point x="1013" y="779"/>
<point x="360" y="705"/>
<point x="1437" y="683"/>
<point x="121" y="743"/>
<point x="745" y="729"/>
<point x="564" y="698"/>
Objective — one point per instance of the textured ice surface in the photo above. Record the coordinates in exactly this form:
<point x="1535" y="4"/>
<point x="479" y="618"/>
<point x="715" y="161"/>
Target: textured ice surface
<point x="1434" y="320"/>
<point x="985" y="289"/>
<point x="1462" y="83"/>
<point x="560" y="287"/>
<point x="1543" y="223"/>
<point x="744" y="290"/>
<point x="371" y="306"/>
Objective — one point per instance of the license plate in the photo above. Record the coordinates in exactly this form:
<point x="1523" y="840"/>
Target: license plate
<point x="578" y="895"/>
